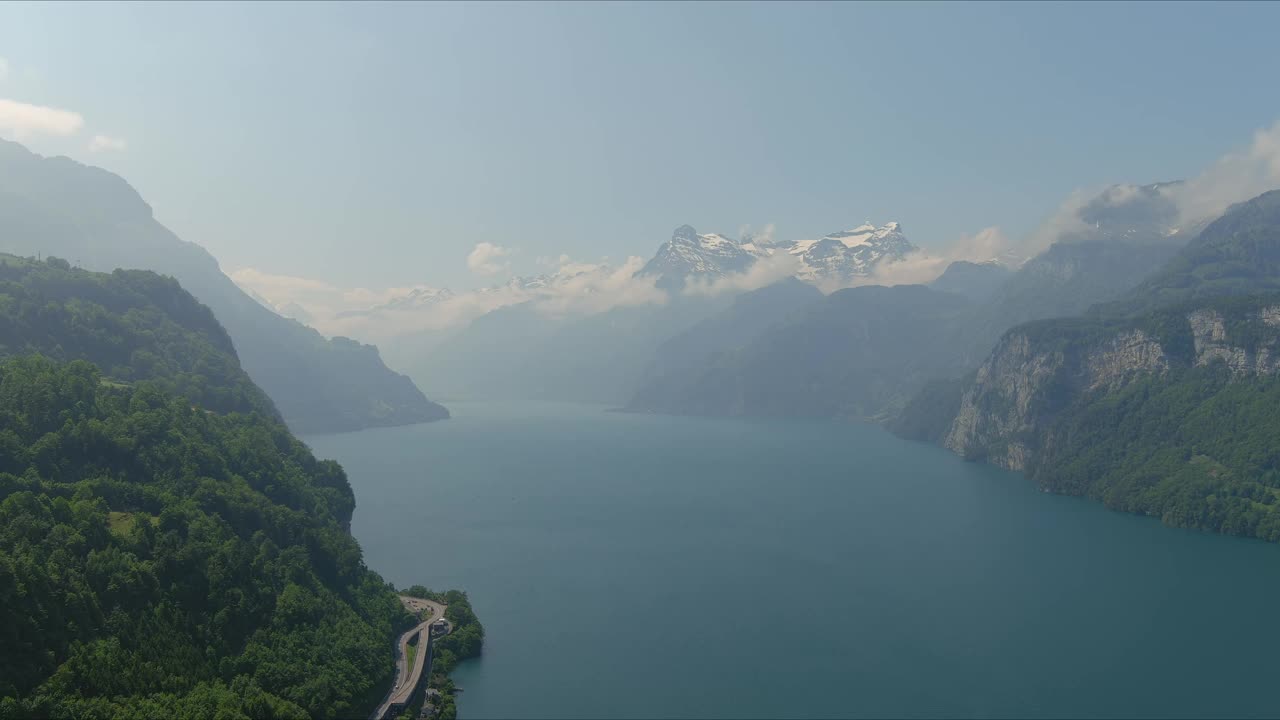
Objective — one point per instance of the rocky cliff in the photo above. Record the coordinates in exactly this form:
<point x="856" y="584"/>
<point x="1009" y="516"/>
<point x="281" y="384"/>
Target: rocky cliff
<point x="1039" y="371"/>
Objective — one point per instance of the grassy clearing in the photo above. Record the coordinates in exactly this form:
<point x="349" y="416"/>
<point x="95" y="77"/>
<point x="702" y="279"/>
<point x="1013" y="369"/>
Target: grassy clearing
<point x="121" y="523"/>
<point x="413" y="653"/>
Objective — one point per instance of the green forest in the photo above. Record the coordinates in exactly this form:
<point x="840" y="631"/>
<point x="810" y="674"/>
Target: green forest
<point x="158" y="560"/>
<point x="133" y="324"/>
<point x="1194" y="447"/>
<point x="167" y="547"/>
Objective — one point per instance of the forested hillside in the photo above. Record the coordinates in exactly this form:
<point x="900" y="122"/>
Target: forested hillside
<point x="159" y="560"/>
<point x="133" y="324"/>
<point x="167" y="547"/>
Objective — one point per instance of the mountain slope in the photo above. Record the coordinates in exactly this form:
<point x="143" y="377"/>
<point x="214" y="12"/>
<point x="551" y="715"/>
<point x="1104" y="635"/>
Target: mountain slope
<point x="95" y="219"/>
<point x="975" y="281"/>
<point x="524" y="351"/>
<point x="133" y="323"/>
<point x="1065" y="280"/>
<point x="670" y="383"/>
<point x="853" y="354"/>
<point x="167" y="547"/>
<point x="1237" y="254"/>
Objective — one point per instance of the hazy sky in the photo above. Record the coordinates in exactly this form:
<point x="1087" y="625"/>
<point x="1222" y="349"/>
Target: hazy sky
<point x="376" y="144"/>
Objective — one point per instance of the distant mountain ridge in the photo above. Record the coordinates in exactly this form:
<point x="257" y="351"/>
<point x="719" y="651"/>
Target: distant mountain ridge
<point x="973" y="280"/>
<point x="849" y="355"/>
<point x="95" y="219"/>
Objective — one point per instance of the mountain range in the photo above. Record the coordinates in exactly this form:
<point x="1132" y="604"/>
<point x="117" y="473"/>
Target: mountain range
<point x="689" y="257"/>
<point x="866" y="351"/>
<point x="533" y="338"/>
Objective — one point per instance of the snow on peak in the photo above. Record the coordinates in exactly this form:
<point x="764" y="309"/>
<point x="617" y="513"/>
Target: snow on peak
<point x="843" y="256"/>
<point x="690" y="254"/>
<point x="840" y="257"/>
<point x="715" y="240"/>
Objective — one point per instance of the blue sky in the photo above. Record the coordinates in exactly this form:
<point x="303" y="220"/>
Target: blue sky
<point x="376" y="144"/>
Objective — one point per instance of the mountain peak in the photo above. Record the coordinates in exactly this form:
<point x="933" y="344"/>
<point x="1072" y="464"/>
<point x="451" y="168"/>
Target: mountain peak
<point x="689" y="254"/>
<point x="686" y="233"/>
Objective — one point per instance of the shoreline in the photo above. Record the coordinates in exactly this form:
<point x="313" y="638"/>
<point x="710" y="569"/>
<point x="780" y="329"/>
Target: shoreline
<point x="446" y="633"/>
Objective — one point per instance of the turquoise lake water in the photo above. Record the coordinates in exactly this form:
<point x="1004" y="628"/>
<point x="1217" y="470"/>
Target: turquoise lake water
<point x="645" y="566"/>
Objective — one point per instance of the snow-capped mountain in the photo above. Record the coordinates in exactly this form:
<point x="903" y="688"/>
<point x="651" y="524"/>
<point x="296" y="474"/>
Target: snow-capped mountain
<point x="838" y="258"/>
<point x="690" y="255"/>
<point x="843" y="257"/>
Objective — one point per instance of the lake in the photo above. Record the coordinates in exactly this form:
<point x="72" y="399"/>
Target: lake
<point x="639" y="566"/>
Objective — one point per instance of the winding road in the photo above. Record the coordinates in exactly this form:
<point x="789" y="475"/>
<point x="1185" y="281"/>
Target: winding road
<point x="407" y="677"/>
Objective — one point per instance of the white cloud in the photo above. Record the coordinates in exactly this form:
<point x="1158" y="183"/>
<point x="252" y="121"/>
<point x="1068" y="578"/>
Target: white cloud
<point x="1065" y="220"/>
<point x="761" y="238"/>
<point x="765" y="271"/>
<point x="589" y="289"/>
<point x="23" y="120"/>
<point x="384" y="323"/>
<point x="320" y="299"/>
<point x="267" y="284"/>
<point x="485" y="259"/>
<point x="915" y="268"/>
<point x="572" y="288"/>
<point x="1235" y="177"/>
<point x="922" y="266"/>
<point x="100" y="143"/>
<point x="987" y="244"/>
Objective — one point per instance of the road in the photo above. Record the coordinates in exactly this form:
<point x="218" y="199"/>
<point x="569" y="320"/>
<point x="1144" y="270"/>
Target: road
<point x="407" y="677"/>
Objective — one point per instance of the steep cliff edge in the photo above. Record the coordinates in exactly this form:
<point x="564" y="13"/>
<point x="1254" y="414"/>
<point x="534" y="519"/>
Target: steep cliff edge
<point x="1034" y="374"/>
<point x="1173" y="413"/>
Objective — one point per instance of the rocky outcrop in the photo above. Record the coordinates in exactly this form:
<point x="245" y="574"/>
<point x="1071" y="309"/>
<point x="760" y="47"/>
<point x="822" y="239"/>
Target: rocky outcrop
<point x="996" y="410"/>
<point x="1037" y="371"/>
<point x="1119" y="358"/>
<point x="1209" y="332"/>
